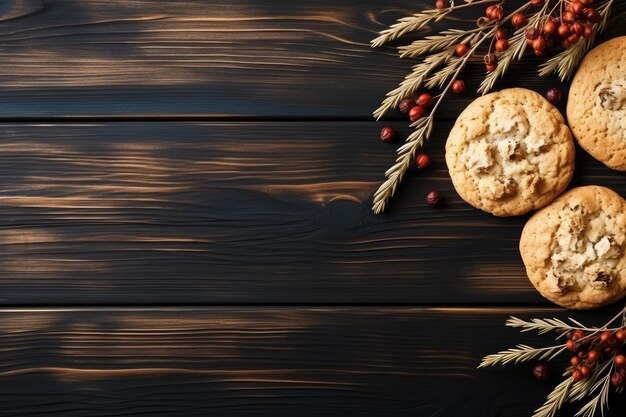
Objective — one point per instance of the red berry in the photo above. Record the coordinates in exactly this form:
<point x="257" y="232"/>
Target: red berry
<point x="588" y="32"/>
<point x="518" y="20"/>
<point x="416" y="112"/>
<point x="440" y="4"/>
<point x="549" y="27"/>
<point x="406" y="105"/>
<point x="618" y="379"/>
<point x="458" y="86"/>
<point x="500" y="34"/>
<point x="461" y="49"/>
<point x="585" y="370"/>
<point x="498" y="13"/>
<point x="555" y="96"/>
<point x="541" y="372"/>
<point x="491" y="68"/>
<point x="575" y="361"/>
<point x="387" y="134"/>
<point x="539" y="45"/>
<point x="563" y="30"/>
<point x="536" y="2"/>
<point x="577" y="7"/>
<point x="433" y="198"/>
<point x="605" y="337"/>
<point x="613" y="343"/>
<point x="620" y="335"/>
<point x="422" y="161"/>
<point x="490" y="59"/>
<point x="502" y="45"/>
<point x="568" y="16"/>
<point x="592" y="356"/>
<point x="532" y="33"/>
<point x="578" y="28"/>
<point x="571" y="345"/>
<point x="577" y="334"/>
<point x="424" y="100"/>
<point x="620" y="360"/>
<point x="591" y="15"/>
<point x="577" y="375"/>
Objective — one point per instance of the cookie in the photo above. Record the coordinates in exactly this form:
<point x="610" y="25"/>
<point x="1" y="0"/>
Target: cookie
<point x="510" y="152"/>
<point x="596" y="107"/>
<point x="573" y="249"/>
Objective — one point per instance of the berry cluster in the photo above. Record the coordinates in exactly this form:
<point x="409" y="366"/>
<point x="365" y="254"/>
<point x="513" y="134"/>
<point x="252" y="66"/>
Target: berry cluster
<point x="568" y="21"/>
<point x="576" y="21"/>
<point x="500" y="38"/>
<point x="415" y="109"/>
<point x="589" y="350"/>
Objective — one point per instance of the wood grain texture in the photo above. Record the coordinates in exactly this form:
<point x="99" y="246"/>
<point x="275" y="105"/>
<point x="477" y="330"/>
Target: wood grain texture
<point x="123" y="213"/>
<point x="267" y="361"/>
<point x="243" y="58"/>
<point x="240" y="212"/>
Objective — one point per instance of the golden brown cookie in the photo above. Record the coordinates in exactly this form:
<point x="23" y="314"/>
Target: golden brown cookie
<point x="596" y="107"/>
<point x="573" y="249"/>
<point x="510" y="152"/>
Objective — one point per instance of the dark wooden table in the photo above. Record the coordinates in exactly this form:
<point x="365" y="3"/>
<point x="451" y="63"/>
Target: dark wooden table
<point x="185" y="224"/>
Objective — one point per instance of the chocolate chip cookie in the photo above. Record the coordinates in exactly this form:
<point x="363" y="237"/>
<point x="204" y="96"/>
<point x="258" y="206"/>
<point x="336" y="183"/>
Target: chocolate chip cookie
<point x="573" y="249"/>
<point x="510" y="152"/>
<point x="596" y="107"/>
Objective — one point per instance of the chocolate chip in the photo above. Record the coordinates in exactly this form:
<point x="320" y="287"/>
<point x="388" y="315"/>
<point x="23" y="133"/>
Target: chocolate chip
<point x="563" y="285"/>
<point x="607" y="98"/>
<point x="603" y="277"/>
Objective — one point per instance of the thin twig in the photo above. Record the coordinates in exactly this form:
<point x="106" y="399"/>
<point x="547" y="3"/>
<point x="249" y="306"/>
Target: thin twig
<point x="419" y="20"/>
<point x="415" y="141"/>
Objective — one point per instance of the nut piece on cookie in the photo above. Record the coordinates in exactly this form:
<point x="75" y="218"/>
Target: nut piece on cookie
<point x="510" y="152"/>
<point x="574" y="250"/>
<point x="497" y="188"/>
<point x="612" y="95"/>
<point x="535" y="144"/>
<point x="598" y="276"/>
<point x="480" y="156"/>
<point x="509" y="149"/>
<point x="596" y="107"/>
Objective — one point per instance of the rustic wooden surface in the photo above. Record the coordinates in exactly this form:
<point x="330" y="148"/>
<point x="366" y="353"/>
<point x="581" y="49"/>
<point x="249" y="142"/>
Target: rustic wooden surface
<point x="193" y="58"/>
<point x="265" y="361"/>
<point x="185" y="226"/>
<point x="231" y="212"/>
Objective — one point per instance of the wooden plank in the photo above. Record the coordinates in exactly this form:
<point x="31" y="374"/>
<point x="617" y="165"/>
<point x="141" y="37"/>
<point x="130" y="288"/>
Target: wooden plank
<point x="123" y="213"/>
<point x="268" y="361"/>
<point x="135" y="58"/>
